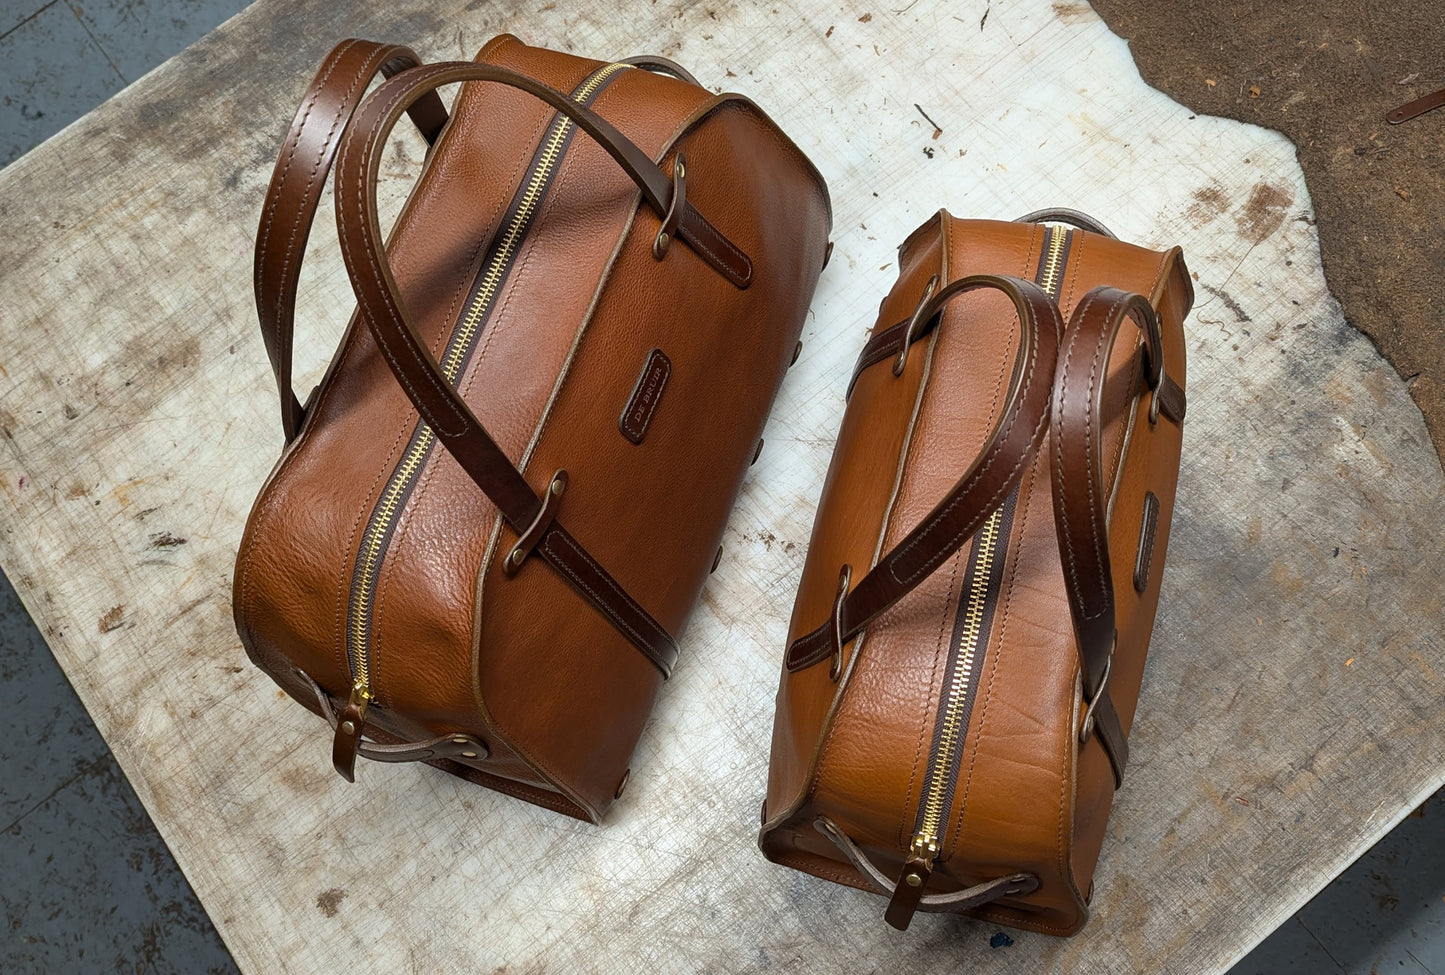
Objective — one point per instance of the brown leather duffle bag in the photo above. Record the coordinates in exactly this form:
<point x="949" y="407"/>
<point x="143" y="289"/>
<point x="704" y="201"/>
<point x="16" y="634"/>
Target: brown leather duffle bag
<point x="966" y="652"/>
<point x="494" y="515"/>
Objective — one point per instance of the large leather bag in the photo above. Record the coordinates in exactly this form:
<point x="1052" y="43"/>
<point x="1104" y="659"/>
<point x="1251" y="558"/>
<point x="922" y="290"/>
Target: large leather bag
<point x="493" y="517"/>
<point x="968" y="641"/>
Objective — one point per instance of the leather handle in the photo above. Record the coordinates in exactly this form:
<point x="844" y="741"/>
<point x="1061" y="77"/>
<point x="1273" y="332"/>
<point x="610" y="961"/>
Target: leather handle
<point x="1077" y="218"/>
<point x="1080" y="495"/>
<point x="296" y="184"/>
<point x="995" y="472"/>
<point x="661" y="65"/>
<point x="384" y="311"/>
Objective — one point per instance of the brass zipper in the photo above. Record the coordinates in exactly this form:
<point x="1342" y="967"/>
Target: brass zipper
<point x="381" y="526"/>
<point x="982" y="582"/>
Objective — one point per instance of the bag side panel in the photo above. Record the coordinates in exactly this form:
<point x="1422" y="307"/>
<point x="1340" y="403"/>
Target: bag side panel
<point x="654" y="512"/>
<point x="858" y="492"/>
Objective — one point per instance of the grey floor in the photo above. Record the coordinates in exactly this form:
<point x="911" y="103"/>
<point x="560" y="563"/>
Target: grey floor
<point x="87" y="884"/>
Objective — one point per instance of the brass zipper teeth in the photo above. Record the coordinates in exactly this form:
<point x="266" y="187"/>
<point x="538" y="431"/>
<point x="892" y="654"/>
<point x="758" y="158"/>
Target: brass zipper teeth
<point x="972" y="639"/>
<point x="377" y="537"/>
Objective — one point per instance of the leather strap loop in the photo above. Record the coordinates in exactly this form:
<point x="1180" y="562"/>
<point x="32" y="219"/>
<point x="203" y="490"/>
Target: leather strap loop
<point x="458" y="748"/>
<point x="1076" y="218"/>
<point x="959" y="900"/>
<point x="994" y="474"/>
<point x="384" y="313"/>
<point x="297" y="183"/>
<point x="1080" y="496"/>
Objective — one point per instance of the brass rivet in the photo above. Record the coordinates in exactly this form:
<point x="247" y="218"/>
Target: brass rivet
<point x="348" y="727"/>
<point x="626" y="777"/>
<point x="558" y="486"/>
<point x="459" y="739"/>
<point x="716" y="560"/>
<point x="679" y="168"/>
<point x="757" y="451"/>
<point x="516" y="557"/>
<point x="914" y="880"/>
<point x="659" y="246"/>
<point x="797" y="351"/>
<point x="469" y="754"/>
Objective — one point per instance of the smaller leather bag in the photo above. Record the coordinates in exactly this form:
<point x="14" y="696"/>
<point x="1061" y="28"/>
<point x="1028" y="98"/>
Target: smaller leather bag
<point x="496" y="512"/>
<point x="968" y="640"/>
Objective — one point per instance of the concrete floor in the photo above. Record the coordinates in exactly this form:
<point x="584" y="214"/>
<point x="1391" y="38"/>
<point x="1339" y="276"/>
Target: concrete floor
<point x="88" y="885"/>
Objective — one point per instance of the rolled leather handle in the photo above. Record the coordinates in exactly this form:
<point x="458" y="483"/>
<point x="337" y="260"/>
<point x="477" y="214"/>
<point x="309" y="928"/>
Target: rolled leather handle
<point x="993" y="475"/>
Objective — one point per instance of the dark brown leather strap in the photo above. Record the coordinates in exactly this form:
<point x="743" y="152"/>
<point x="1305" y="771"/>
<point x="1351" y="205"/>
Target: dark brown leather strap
<point x="959" y="900"/>
<point x="438" y="403"/>
<point x="1078" y="218"/>
<point x="296" y="186"/>
<point x="662" y="65"/>
<point x="997" y="470"/>
<point x="1080" y="495"/>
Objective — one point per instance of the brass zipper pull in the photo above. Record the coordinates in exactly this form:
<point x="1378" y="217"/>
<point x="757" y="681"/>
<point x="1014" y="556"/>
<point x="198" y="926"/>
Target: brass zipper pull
<point x="916" y="871"/>
<point x="348" y="731"/>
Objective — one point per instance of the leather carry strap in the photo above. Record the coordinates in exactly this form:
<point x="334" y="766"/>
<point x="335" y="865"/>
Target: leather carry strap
<point x="1080" y="498"/>
<point x="997" y="470"/>
<point x="959" y="900"/>
<point x="1077" y="218"/>
<point x="297" y="182"/>
<point x="457" y="428"/>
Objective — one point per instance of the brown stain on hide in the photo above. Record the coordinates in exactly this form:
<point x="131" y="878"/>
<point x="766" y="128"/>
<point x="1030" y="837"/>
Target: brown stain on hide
<point x="1264" y="212"/>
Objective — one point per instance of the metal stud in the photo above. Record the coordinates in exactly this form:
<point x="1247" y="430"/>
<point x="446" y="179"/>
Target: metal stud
<point x="621" y="786"/>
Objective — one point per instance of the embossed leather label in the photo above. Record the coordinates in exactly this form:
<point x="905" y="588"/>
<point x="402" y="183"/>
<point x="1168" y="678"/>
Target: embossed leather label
<point x="645" y="396"/>
<point x="1147" y="531"/>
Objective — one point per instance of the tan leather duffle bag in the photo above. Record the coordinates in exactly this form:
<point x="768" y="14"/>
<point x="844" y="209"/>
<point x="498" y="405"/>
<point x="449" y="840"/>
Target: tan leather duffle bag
<point x="966" y="652"/>
<point x="494" y="515"/>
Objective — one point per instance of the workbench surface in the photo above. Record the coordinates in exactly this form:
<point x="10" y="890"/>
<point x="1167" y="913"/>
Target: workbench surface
<point x="1290" y="714"/>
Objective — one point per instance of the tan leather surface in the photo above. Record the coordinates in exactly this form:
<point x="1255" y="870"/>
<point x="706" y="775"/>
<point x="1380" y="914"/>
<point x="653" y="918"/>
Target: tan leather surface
<point x="524" y="663"/>
<point x="1027" y="798"/>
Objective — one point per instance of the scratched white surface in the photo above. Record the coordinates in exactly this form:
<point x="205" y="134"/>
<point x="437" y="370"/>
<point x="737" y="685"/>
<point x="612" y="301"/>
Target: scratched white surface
<point x="1290" y="714"/>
